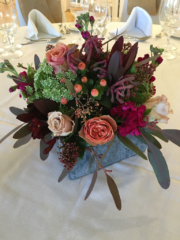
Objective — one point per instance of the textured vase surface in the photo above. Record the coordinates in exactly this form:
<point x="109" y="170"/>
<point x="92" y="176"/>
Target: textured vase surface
<point x="117" y="152"/>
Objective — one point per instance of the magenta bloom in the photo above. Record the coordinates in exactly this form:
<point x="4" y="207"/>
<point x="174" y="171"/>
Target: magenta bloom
<point x="11" y="90"/>
<point x="85" y="35"/>
<point x="159" y="60"/>
<point x="22" y="86"/>
<point x="78" y="26"/>
<point x="23" y="74"/>
<point x="91" y="18"/>
<point x="133" y="118"/>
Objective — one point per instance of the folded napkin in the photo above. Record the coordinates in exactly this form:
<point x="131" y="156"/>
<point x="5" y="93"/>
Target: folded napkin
<point x="139" y="24"/>
<point x="40" y="26"/>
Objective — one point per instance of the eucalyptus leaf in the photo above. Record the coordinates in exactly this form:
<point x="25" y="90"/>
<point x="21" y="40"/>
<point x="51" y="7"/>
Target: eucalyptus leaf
<point x="114" y="191"/>
<point x="93" y="181"/>
<point x="159" y="165"/>
<point x="157" y="132"/>
<point x="11" y="132"/>
<point x="173" y="135"/>
<point x="151" y="139"/>
<point x="127" y="142"/>
<point x="63" y="174"/>
<point x="105" y="101"/>
<point x="22" y="141"/>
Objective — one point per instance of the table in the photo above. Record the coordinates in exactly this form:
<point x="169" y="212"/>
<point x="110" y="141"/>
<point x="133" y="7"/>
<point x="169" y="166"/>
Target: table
<point x="35" y="206"/>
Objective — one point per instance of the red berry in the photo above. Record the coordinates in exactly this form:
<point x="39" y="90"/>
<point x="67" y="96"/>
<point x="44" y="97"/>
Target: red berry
<point x="64" y="101"/>
<point x="94" y="92"/>
<point x="78" y="88"/>
<point x="84" y="80"/>
<point x="62" y="80"/>
<point x="103" y="83"/>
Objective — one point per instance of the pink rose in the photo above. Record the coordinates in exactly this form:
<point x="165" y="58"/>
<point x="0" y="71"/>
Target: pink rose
<point x="56" y="57"/>
<point x="60" y="124"/>
<point x="160" y="108"/>
<point x="98" y="130"/>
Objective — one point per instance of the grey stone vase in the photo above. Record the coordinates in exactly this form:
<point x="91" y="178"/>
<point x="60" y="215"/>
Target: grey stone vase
<point x="116" y="153"/>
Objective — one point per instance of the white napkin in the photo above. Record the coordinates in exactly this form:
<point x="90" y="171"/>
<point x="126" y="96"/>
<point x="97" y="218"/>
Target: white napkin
<point x="40" y="26"/>
<point x="139" y="24"/>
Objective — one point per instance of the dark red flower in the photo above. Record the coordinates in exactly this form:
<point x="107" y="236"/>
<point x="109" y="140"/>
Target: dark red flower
<point x="38" y="128"/>
<point x="159" y="60"/>
<point x="133" y="118"/>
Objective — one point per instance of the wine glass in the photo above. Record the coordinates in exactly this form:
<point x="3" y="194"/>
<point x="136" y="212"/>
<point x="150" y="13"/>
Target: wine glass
<point x="9" y="27"/>
<point x="104" y="25"/>
<point x="169" y="17"/>
<point x="100" y="8"/>
<point x="77" y="7"/>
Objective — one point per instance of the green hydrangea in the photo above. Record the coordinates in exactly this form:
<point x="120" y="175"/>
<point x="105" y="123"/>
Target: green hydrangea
<point x="48" y="86"/>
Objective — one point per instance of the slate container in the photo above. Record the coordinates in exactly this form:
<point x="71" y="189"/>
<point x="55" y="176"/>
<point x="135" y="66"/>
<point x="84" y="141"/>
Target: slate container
<point x="117" y="152"/>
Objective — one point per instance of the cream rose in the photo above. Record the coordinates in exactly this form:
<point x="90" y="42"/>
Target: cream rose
<point x="60" y="124"/>
<point x="160" y="109"/>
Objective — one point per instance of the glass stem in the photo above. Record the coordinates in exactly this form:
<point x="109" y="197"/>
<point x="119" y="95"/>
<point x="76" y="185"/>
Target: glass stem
<point x="168" y="40"/>
<point x="11" y="42"/>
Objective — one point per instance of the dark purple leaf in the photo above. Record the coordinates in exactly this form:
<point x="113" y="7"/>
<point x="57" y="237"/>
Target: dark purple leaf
<point x="173" y="135"/>
<point x="11" y="132"/>
<point x="117" y="46"/>
<point x="23" y="132"/>
<point x="41" y="106"/>
<point x="159" y="165"/>
<point x="130" y="60"/>
<point x="16" y="111"/>
<point x="36" y="61"/>
<point x="22" y="141"/>
<point x="114" y="191"/>
<point x="91" y="185"/>
<point x="26" y="117"/>
<point x="128" y="55"/>
<point x="63" y="174"/>
<point x="51" y="105"/>
<point x="120" y="73"/>
<point x="113" y="65"/>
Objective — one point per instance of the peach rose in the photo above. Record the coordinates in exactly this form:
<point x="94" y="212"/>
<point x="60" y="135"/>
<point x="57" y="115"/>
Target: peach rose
<point x="160" y="108"/>
<point x="55" y="57"/>
<point x="60" y="124"/>
<point x="98" y="130"/>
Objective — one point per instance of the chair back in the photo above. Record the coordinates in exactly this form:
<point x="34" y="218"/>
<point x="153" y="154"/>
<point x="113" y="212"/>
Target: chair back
<point x="151" y="6"/>
<point x="51" y="9"/>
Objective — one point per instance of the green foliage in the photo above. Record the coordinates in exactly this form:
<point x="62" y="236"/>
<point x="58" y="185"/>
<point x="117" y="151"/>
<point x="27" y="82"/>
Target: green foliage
<point x="156" y="50"/>
<point x="6" y="66"/>
<point x="65" y="110"/>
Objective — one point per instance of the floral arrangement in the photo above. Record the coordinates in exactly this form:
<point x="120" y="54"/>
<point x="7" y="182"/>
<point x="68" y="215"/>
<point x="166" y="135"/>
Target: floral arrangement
<point x="86" y="97"/>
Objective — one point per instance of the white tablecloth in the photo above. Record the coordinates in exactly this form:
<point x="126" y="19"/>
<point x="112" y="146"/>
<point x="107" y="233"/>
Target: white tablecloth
<point x="35" y="206"/>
